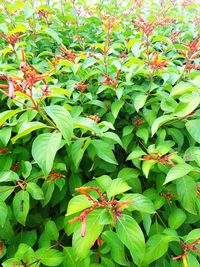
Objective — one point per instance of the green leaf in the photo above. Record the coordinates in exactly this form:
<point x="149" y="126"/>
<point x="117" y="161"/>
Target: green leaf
<point x="11" y="261"/>
<point x="5" y="134"/>
<point x="182" y="88"/>
<point x="193" y="235"/>
<point x="58" y="91"/>
<point x="87" y="124"/>
<point x="178" y="171"/>
<point x="52" y="34"/>
<point x="8" y="176"/>
<point x="186" y="191"/>
<point x="147" y="165"/>
<point x="192" y="261"/>
<point x="193" y="127"/>
<point x="118" y="186"/>
<point x="104" y="151"/>
<point x="78" y="203"/>
<point x="48" y="189"/>
<point x="44" y="149"/>
<point x="27" y="128"/>
<point x="28" y="12"/>
<point x="26" y="169"/>
<point x="6" y="191"/>
<point x="139" y="202"/>
<point x="113" y="136"/>
<point x="176" y="218"/>
<point x="160" y="121"/>
<point x="185" y="108"/>
<point x="21" y="206"/>
<point x="81" y="244"/>
<point x="132" y="237"/>
<point x="78" y="149"/>
<point x="115" y="107"/>
<point x="139" y="101"/>
<point x="104" y="181"/>
<point x="89" y="62"/>
<point x="69" y="257"/>
<point x="49" y="257"/>
<point x="51" y="230"/>
<point x="143" y="133"/>
<point x="156" y="247"/>
<point x="3" y="212"/>
<point x="8" y="114"/>
<point x="136" y="153"/>
<point x="35" y="191"/>
<point x="62" y="119"/>
<point x="117" y="247"/>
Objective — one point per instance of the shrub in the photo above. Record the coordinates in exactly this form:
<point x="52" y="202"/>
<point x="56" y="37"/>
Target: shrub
<point x="99" y="137"/>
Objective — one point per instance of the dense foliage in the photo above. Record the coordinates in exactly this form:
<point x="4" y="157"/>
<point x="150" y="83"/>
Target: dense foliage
<point x="100" y="133"/>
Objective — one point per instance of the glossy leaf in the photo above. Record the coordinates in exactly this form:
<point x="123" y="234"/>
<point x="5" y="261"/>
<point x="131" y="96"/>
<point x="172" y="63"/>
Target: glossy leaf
<point x="62" y="119"/>
<point x="132" y="237"/>
<point x="178" y="171"/>
<point x="44" y="150"/>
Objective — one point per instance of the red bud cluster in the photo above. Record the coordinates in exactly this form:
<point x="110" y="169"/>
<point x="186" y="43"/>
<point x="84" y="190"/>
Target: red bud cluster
<point x="187" y="247"/>
<point x="165" y="160"/>
<point x="95" y="117"/>
<point x="114" y="206"/>
<point x="157" y="62"/>
<point x="11" y="39"/>
<point x="148" y="27"/>
<point x="110" y="81"/>
<point x="55" y="176"/>
<point x="168" y="195"/>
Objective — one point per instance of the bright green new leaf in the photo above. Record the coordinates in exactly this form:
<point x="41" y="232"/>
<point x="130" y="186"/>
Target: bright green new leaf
<point x="8" y="114"/>
<point x="182" y="88"/>
<point x="178" y="171"/>
<point x="193" y="127"/>
<point x="118" y="186"/>
<point x="136" y="153"/>
<point x="44" y="149"/>
<point x="62" y="119"/>
<point x="139" y="202"/>
<point x="35" y="191"/>
<point x="89" y="62"/>
<point x="193" y="235"/>
<point x="160" y="121"/>
<point x="78" y="203"/>
<point x="87" y="124"/>
<point x="8" y="176"/>
<point x="115" y="107"/>
<point x="49" y="256"/>
<point x="147" y="165"/>
<point x="139" y="101"/>
<point x="27" y="128"/>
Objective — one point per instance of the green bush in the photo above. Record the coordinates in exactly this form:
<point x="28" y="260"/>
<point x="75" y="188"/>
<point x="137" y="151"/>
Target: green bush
<point x="99" y="137"/>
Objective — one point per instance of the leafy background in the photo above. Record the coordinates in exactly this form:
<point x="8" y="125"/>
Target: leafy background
<point x="99" y="96"/>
